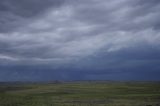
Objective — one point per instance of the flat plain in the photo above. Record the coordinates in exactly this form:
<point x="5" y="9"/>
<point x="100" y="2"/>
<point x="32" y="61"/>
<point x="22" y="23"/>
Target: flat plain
<point x="86" y="93"/>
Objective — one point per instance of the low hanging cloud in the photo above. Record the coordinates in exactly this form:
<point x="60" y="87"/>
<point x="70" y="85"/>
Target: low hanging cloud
<point x="78" y="33"/>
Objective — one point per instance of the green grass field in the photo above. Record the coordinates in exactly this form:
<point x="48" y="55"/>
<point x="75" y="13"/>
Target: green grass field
<point x="81" y="94"/>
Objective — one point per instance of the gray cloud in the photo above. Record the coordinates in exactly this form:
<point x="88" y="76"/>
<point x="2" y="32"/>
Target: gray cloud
<point x="67" y="33"/>
<point x="18" y="12"/>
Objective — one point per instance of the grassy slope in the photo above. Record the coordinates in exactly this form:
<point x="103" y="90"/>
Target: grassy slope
<point x="81" y="94"/>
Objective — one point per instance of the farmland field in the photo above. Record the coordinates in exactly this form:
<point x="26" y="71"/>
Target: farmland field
<point x="81" y="94"/>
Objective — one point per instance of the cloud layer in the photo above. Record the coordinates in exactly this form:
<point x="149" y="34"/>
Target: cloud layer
<point x="92" y="36"/>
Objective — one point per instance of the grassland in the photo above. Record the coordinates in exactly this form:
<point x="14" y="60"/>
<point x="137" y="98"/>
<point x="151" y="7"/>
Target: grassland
<point x="81" y="94"/>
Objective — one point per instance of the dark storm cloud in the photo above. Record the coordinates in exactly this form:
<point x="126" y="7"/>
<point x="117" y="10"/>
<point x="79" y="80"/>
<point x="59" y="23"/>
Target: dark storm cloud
<point x="14" y="13"/>
<point x="80" y="36"/>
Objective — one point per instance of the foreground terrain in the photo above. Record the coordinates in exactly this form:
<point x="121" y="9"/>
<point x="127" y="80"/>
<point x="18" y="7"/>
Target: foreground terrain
<point x="80" y="94"/>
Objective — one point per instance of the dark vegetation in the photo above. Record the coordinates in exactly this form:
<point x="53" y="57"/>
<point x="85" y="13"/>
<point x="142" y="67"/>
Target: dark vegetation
<point x="80" y="94"/>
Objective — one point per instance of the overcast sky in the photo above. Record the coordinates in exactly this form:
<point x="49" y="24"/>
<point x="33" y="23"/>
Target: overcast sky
<point x="79" y="40"/>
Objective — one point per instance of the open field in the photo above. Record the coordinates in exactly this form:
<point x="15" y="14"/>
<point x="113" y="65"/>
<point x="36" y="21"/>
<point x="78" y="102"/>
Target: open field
<point x="81" y="94"/>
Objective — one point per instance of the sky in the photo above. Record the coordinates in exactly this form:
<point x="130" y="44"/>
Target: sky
<point x="45" y="40"/>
